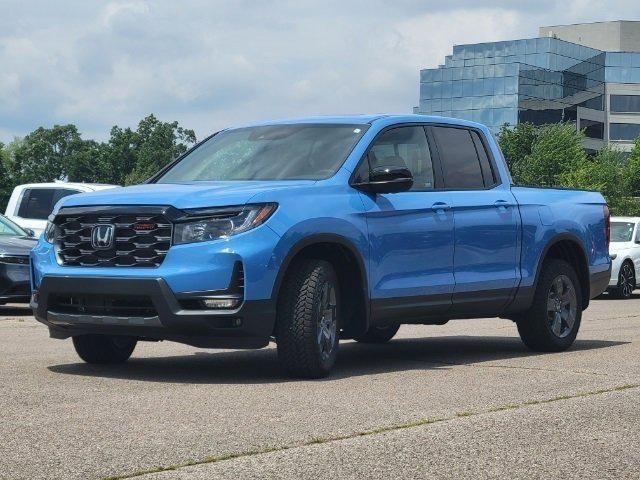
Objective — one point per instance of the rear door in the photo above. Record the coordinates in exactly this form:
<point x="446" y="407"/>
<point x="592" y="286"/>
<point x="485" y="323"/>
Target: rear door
<point x="486" y="221"/>
<point x="410" y="233"/>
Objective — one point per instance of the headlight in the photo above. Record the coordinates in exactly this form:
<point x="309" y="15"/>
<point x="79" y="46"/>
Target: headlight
<point x="210" y="224"/>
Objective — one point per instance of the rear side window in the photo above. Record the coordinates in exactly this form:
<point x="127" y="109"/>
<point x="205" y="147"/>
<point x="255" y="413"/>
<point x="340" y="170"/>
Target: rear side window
<point x="37" y="203"/>
<point x="459" y="158"/>
<point x="488" y="173"/>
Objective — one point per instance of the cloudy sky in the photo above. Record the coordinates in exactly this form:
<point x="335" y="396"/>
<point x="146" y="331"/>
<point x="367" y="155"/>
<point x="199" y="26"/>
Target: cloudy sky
<point x="210" y="64"/>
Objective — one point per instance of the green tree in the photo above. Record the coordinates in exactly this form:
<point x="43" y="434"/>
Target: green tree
<point x="557" y="148"/>
<point x="156" y="143"/>
<point x="45" y="154"/>
<point x="88" y="163"/>
<point x="5" y="179"/>
<point x="632" y="170"/>
<point x="605" y="172"/>
<point x="120" y="153"/>
<point x="517" y="142"/>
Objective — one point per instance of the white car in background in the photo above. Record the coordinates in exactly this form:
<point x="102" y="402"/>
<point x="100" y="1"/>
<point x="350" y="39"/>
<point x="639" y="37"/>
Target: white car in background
<point x="30" y="204"/>
<point x="625" y="255"/>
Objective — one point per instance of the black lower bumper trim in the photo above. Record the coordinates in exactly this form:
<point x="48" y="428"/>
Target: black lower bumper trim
<point x="250" y="326"/>
<point x="599" y="282"/>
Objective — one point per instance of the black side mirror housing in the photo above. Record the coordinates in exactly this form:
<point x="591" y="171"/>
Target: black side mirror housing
<point x="387" y="180"/>
<point x="30" y="232"/>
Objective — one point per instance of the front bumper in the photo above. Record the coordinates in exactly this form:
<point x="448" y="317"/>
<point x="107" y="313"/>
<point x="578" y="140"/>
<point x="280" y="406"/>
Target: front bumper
<point x="14" y="283"/>
<point x="249" y="326"/>
<point x="616" y="263"/>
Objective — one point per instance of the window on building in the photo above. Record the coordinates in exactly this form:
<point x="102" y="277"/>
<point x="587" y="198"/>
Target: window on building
<point x="625" y="103"/>
<point x="592" y="129"/>
<point x="624" y="131"/>
<point x="459" y="158"/>
<point x="595" y="103"/>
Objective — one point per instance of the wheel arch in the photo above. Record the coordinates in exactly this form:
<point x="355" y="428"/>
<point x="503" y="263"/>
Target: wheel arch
<point x="568" y="247"/>
<point x="343" y="255"/>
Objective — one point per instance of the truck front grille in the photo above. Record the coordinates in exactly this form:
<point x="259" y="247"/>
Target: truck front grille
<point x="140" y="238"/>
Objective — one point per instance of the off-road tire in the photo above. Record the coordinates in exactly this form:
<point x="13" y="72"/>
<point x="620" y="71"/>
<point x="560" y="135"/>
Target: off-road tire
<point x="378" y="334"/>
<point x="104" y="349"/>
<point x="534" y="326"/>
<point x="299" y="317"/>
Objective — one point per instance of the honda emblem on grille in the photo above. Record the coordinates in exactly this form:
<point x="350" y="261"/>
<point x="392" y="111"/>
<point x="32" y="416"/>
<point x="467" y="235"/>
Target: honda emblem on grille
<point x="102" y="237"/>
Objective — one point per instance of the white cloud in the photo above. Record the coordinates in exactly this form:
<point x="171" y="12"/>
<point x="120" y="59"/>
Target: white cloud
<point x="214" y="64"/>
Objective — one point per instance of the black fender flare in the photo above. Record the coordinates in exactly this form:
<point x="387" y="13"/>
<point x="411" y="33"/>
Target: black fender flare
<point x="320" y="238"/>
<point x="523" y="297"/>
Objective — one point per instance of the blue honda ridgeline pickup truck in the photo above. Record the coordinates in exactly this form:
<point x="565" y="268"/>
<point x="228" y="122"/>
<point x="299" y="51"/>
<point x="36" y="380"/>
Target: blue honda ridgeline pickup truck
<point x="308" y="231"/>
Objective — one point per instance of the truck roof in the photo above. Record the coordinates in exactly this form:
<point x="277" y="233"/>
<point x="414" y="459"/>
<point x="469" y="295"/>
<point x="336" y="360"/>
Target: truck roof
<point x="369" y="119"/>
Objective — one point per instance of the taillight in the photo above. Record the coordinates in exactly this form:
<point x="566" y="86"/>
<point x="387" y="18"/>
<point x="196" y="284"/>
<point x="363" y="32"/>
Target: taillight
<point x="607" y="225"/>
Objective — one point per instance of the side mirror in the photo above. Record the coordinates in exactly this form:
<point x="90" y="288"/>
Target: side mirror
<point x="387" y="180"/>
<point x="30" y="232"/>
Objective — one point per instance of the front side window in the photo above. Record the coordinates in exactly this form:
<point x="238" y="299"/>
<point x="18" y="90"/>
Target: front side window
<point x="621" y="231"/>
<point x="405" y="147"/>
<point x="273" y="152"/>
<point x="7" y="227"/>
<point x="460" y="162"/>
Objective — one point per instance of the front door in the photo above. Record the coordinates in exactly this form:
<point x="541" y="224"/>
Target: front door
<point x="410" y="234"/>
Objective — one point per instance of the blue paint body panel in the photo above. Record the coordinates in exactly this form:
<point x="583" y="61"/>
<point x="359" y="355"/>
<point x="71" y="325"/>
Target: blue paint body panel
<point x="407" y="248"/>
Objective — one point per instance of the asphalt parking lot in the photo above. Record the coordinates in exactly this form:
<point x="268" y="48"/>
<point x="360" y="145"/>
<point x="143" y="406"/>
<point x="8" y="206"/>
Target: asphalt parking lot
<point x="463" y="400"/>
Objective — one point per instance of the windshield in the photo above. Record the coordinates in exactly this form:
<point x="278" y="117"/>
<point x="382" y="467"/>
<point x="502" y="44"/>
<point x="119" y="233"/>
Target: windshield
<point x="621" y="231"/>
<point x="7" y="227"/>
<point x="274" y="152"/>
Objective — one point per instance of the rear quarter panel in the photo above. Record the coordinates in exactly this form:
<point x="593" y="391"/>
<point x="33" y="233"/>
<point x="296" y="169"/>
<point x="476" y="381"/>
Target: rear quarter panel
<point x="549" y="214"/>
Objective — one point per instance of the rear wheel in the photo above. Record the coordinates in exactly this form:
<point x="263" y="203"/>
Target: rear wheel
<point x="626" y="281"/>
<point x="104" y="348"/>
<point x="378" y="334"/>
<point x="552" y="322"/>
<point x="307" y="324"/>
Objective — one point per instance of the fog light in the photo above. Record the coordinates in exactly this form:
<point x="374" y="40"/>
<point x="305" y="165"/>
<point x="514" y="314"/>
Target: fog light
<point x="221" y="302"/>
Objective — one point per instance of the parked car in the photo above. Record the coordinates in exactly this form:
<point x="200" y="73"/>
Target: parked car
<point x="625" y="256"/>
<point x="30" y="204"/>
<point x="15" y="244"/>
<point x="313" y="230"/>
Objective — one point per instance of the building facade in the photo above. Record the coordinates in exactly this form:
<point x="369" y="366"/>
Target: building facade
<point x="594" y="84"/>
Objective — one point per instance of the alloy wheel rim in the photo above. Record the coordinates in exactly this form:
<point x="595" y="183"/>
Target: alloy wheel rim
<point x="561" y="306"/>
<point x="327" y="325"/>
<point x="626" y="280"/>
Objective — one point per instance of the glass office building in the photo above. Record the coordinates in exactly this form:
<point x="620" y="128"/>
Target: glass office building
<point x="540" y="80"/>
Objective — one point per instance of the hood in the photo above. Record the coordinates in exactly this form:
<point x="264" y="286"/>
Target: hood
<point x="182" y="195"/>
<point x="16" y="245"/>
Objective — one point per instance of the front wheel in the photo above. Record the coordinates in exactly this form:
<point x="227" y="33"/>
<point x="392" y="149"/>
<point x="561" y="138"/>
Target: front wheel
<point x="104" y="348"/>
<point x="552" y="322"/>
<point x="626" y="281"/>
<point x="307" y="323"/>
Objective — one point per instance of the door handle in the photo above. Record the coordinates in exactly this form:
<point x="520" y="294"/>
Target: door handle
<point x="502" y="204"/>
<point x="440" y="206"/>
